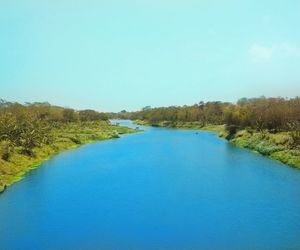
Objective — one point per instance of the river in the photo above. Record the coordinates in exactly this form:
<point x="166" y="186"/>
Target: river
<point x="161" y="189"/>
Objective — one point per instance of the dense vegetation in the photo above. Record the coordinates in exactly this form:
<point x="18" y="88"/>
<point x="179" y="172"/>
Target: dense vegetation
<point x="31" y="133"/>
<point x="272" y="114"/>
<point x="270" y="126"/>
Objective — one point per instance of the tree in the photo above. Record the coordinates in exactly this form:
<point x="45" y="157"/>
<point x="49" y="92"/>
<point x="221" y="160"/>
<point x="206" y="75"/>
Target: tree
<point x="69" y="115"/>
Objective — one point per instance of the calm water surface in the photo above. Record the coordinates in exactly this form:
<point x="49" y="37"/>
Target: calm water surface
<point x="162" y="189"/>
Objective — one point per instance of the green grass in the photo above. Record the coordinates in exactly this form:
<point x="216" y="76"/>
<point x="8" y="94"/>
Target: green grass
<point x="66" y="137"/>
<point x="277" y="146"/>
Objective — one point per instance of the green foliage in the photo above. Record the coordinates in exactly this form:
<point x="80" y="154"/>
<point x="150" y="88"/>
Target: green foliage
<point x="70" y="115"/>
<point x="30" y="126"/>
<point x="209" y="113"/>
<point x="294" y="126"/>
<point x="231" y="131"/>
<point x="92" y="115"/>
<point x="276" y="146"/>
<point x="6" y="150"/>
<point x="76" y="140"/>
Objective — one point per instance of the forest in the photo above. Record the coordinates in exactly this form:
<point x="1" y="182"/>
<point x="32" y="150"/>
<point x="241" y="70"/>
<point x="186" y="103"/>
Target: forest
<point x="32" y="132"/>
<point x="29" y="126"/>
<point x="261" y="114"/>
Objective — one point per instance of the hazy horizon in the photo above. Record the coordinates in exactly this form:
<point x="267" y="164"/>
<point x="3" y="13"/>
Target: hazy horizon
<point x="115" y="55"/>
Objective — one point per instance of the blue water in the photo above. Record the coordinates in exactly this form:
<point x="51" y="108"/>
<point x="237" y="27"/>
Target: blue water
<point x="161" y="189"/>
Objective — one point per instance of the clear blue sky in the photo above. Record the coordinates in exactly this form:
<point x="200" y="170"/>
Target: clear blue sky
<point x="126" y="54"/>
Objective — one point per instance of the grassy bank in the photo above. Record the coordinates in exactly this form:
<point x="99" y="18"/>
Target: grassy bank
<point x="66" y="136"/>
<point x="278" y="146"/>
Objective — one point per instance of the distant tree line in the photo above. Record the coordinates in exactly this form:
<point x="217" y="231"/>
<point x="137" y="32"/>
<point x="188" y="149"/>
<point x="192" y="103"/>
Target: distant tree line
<point x="205" y="113"/>
<point x="261" y="114"/>
<point x="30" y="125"/>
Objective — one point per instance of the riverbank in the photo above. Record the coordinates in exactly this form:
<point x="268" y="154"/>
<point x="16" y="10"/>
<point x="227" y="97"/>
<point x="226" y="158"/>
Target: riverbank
<point x="67" y="136"/>
<point x="277" y="146"/>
